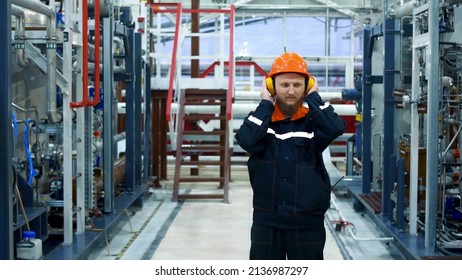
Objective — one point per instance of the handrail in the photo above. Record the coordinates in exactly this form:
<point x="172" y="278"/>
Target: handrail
<point x="217" y="11"/>
<point x="154" y="7"/>
<point x="237" y="63"/>
<point x="85" y="99"/>
<point x="96" y="97"/>
<point x="231" y="64"/>
<point x="231" y="12"/>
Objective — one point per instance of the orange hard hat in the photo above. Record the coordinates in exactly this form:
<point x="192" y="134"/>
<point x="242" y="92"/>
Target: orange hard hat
<point x="289" y="62"/>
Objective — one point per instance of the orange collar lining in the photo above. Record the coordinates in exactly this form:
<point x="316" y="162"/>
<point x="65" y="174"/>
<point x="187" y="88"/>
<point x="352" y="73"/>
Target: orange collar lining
<point x="279" y="116"/>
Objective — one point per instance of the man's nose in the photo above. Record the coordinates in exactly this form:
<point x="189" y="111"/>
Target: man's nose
<point x="291" y="89"/>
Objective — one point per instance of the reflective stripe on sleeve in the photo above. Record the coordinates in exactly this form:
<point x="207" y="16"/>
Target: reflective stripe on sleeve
<point x="326" y="104"/>
<point x="255" y="120"/>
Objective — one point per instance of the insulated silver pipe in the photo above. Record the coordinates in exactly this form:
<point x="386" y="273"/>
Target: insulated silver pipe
<point x="404" y="10"/>
<point x="20" y="34"/>
<point x="39" y="7"/>
<point x="91" y="68"/>
<point x="119" y="137"/>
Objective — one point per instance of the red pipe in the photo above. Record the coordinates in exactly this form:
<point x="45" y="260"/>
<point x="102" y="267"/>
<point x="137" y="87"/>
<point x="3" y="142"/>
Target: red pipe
<point x="85" y="99"/>
<point x="231" y="60"/>
<point x="96" y="97"/>
<point x="154" y="7"/>
<point x="172" y="72"/>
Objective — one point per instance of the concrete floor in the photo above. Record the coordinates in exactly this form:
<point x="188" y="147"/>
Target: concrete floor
<point x="214" y="230"/>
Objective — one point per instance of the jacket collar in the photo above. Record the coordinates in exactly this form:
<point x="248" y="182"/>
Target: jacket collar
<point x="301" y="112"/>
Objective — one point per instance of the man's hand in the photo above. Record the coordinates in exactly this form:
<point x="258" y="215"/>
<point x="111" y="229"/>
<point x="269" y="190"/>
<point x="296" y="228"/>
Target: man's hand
<point x="264" y="93"/>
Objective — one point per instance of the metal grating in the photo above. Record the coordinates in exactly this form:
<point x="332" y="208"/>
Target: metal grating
<point x="374" y="200"/>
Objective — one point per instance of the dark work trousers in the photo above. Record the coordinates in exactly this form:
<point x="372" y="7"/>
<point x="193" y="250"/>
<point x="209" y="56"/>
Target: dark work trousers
<point x="279" y="244"/>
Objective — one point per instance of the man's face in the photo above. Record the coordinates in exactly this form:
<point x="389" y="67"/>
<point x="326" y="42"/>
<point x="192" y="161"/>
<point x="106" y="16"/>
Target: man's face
<point x="290" y="88"/>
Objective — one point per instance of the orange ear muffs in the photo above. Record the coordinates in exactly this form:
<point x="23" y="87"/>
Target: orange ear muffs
<point x="270" y="86"/>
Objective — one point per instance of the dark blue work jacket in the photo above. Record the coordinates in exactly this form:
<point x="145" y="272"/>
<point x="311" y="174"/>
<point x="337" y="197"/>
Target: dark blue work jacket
<point x="290" y="183"/>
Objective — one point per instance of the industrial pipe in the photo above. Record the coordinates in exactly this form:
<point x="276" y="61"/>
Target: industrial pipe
<point x="245" y="108"/>
<point x="96" y="76"/>
<point x="255" y="95"/>
<point x="119" y="137"/>
<point x="39" y="7"/>
<point x="404" y="10"/>
<point x="20" y="34"/>
<point x="116" y="69"/>
<point x="84" y="31"/>
<point x="242" y="109"/>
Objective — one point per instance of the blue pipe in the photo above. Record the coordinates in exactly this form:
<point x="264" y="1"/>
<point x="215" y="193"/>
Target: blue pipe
<point x="32" y="172"/>
<point x="15" y="127"/>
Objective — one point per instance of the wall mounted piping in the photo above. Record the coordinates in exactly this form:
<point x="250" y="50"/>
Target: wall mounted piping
<point x="96" y="98"/>
<point x="85" y="99"/>
<point x="84" y="33"/>
<point x="116" y="69"/>
<point x="32" y="171"/>
<point x="32" y="110"/>
<point x="20" y="34"/>
<point x="39" y="7"/>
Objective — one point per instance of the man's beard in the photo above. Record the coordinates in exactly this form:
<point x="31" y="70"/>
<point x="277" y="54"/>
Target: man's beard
<point x="288" y="110"/>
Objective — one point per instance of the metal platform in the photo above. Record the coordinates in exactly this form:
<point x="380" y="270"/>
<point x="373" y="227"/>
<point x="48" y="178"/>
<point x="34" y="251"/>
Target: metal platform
<point x="411" y="246"/>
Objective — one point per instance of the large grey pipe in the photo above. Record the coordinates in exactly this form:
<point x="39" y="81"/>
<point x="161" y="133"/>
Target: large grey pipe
<point x="20" y="34"/>
<point x="404" y="10"/>
<point x="39" y="7"/>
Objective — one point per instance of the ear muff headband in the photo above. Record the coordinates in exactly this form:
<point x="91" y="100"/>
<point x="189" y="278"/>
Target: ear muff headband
<point x="270" y="85"/>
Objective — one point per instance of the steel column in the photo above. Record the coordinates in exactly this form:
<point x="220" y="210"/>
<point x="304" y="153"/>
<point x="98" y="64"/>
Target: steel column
<point x="415" y="143"/>
<point x="390" y="31"/>
<point x="130" y="110"/>
<point x="431" y="201"/>
<point x="137" y="113"/>
<point x="349" y="156"/>
<point x="366" y="111"/>
<point x="108" y="115"/>
<point x="147" y="124"/>
<point x="6" y="141"/>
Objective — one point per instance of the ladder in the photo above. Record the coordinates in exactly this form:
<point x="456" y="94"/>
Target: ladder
<point x="196" y="147"/>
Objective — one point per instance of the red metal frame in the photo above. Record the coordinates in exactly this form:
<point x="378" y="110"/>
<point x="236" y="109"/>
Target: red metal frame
<point x="231" y="59"/>
<point x="156" y="8"/>
<point x="153" y="6"/>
